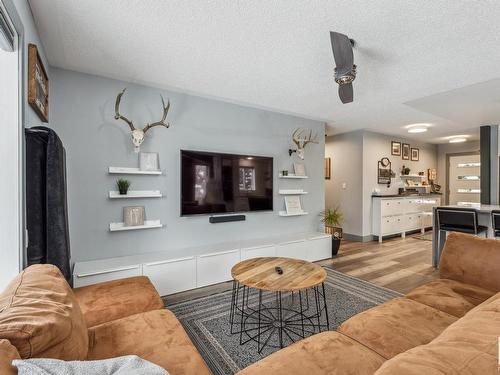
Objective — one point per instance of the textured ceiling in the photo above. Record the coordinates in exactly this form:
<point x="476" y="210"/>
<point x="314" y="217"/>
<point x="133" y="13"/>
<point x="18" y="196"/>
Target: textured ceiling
<point x="277" y="54"/>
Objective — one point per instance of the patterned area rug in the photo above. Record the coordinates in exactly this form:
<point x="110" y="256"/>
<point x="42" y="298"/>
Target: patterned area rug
<point x="206" y="320"/>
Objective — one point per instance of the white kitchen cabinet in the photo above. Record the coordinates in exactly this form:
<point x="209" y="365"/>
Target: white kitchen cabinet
<point x="172" y="276"/>
<point x="398" y="215"/>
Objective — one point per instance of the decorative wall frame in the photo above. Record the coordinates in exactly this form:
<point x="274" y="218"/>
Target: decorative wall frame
<point x="328" y="168"/>
<point x="405" y="151"/>
<point x="415" y="154"/>
<point x="38" y="84"/>
<point x="396" y="148"/>
<point x="384" y="171"/>
<point x="134" y="215"/>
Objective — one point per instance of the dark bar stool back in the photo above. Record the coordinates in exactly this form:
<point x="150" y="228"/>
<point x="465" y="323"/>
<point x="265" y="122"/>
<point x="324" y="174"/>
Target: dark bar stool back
<point x="458" y="219"/>
<point x="495" y="222"/>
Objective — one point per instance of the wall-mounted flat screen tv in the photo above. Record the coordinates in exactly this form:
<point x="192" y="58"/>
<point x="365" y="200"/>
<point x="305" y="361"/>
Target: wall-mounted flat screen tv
<point x="215" y="183"/>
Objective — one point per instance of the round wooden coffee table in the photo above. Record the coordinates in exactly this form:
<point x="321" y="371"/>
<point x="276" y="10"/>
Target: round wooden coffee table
<point x="271" y="301"/>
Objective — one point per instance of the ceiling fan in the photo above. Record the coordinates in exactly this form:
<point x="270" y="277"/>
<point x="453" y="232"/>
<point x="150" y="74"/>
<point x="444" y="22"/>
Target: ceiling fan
<point x="345" y="70"/>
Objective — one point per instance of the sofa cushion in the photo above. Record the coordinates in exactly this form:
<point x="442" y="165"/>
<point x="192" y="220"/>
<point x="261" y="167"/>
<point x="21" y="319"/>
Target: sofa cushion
<point x="104" y="302"/>
<point x="156" y="336"/>
<point x="471" y="260"/>
<point x="7" y="354"/>
<point x="396" y="326"/>
<point x="450" y="296"/>
<point x="328" y="353"/>
<point x="467" y="347"/>
<point x="39" y="315"/>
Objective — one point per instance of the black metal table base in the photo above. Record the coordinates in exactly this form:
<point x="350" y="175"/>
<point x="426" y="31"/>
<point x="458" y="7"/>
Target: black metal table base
<point x="277" y="319"/>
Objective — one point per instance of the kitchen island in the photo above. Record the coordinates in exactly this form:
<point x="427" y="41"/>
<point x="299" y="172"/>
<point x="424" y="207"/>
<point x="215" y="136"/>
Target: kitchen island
<point x="483" y="217"/>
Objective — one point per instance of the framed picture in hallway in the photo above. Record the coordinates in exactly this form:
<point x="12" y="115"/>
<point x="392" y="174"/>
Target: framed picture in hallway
<point x="396" y="148"/>
<point x="415" y="154"/>
<point x="405" y="151"/>
<point x="38" y="84"/>
<point x="328" y="168"/>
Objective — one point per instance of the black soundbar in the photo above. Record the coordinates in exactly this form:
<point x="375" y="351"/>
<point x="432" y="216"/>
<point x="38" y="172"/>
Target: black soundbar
<point x="226" y="218"/>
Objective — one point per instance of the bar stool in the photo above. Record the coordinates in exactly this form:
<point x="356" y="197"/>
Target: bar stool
<point x="495" y="222"/>
<point x="458" y="219"/>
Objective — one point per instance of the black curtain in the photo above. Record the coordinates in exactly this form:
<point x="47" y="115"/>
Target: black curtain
<point x="46" y="205"/>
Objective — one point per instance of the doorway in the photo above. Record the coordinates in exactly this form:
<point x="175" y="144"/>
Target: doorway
<point x="463" y="179"/>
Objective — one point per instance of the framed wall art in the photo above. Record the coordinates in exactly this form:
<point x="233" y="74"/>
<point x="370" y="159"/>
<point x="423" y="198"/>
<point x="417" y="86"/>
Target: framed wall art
<point x="38" y="84"/>
<point x="328" y="168"/>
<point x="415" y="154"/>
<point x="405" y="151"/>
<point x="396" y="148"/>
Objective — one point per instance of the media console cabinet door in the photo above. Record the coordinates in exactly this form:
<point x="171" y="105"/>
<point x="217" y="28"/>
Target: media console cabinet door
<point x="293" y="249"/>
<point x="319" y="248"/>
<point x="258" y="252"/>
<point x="172" y="276"/>
<point x="216" y="267"/>
<point x="84" y="279"/>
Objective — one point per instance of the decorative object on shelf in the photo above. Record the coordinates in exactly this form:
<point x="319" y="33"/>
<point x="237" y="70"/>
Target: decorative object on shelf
<point x="38" y="84"/>
<point x="431" y="174"/>
<point x="149" y="161"/>
<point x="332" y="218"/>
<point x="133" y="215"/>
<point x="405" y="151"/>
<point x="415" y="154"/>
<point x="123" y="186"/>
<point x="328" y="168"/>
<point x="284" y="172"/>
<point x="396" y="148"/>
<point x="421" y="174"/>
<point x="139" y="134"/>
<point x="293" y="204"/>
<point x="302" y="141"/>
<point x="405" y="171"/>
<point x="384" y="171"/>
<point x="299" y="169"/>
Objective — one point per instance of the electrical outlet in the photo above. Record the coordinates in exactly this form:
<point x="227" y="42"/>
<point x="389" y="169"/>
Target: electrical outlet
<point x="344" y="185"/>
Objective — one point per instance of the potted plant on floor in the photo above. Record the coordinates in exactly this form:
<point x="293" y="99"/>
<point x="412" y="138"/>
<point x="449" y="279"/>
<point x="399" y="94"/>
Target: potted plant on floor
<point x="332" y="219"/>
<point x="123" y="186"/>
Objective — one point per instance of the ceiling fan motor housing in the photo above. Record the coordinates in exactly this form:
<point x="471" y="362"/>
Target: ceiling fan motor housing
<point x="345" y="78"/>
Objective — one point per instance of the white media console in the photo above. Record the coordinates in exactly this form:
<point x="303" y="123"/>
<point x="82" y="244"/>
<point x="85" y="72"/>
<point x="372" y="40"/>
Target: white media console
<point x="179" y="270"/>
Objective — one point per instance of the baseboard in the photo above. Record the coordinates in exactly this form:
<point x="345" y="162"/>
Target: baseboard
<point x="357" y="238"/>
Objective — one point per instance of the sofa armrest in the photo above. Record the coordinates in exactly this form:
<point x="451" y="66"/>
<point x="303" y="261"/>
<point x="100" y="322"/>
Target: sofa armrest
<point x="112" y="300"/>
<point x="471" y="260"/>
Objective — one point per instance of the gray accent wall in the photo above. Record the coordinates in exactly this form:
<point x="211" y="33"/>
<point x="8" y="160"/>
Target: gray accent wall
<point x="82" y="113"/>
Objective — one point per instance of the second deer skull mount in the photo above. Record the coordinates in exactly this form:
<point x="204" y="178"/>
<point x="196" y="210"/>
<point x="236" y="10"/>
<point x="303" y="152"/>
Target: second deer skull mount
<point x="301" y="141"/>
<point x="139" y="134"/>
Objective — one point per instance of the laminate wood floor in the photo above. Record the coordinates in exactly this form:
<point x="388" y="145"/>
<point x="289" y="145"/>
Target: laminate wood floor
<point x="400" y="264"/>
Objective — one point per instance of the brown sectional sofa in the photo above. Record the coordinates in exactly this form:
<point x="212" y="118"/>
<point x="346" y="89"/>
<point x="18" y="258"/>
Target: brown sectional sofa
<point x="448" y="326"/>
<point x="41" y="316"/>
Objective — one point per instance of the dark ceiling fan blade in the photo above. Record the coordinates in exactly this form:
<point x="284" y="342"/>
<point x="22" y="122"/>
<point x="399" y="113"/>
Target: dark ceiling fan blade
<point x="346" y="93"/>
<point x="342" y="51"/>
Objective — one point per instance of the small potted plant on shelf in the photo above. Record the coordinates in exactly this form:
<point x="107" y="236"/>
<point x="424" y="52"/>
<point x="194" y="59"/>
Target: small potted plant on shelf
<point x="123" y="186"/>
<point x="332" y="218"/>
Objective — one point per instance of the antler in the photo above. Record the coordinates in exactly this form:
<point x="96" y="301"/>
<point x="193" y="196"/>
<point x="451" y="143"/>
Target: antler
<point x="118" y="116"/>
<point x="310" y="139"/>
<point x="162" y="121"/>
<point x="295" y="138"/>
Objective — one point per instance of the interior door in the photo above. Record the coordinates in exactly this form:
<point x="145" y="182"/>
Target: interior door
<point x="464" y="179"/>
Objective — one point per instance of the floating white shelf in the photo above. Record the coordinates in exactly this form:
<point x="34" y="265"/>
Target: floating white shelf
<point x="284" y="213"/>
<point x="292" y="192"/>
<point x="411" y="176"/>
<point x="124" y="170"/>
<point x="135" y="194"/>
<point x="292" y="176"/>
<point x="148" y="224"/>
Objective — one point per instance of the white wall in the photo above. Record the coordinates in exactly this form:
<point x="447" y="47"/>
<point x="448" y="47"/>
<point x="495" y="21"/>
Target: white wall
<point x="354" y="162"/>
<point x="451" y="148"/>
<point x="82" y="110"/>
<point x="346" y="153"/>
<point x="375" y="147"/>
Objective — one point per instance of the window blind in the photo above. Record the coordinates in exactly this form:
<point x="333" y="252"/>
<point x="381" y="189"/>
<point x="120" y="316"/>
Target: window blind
<point x="6" y="33"/>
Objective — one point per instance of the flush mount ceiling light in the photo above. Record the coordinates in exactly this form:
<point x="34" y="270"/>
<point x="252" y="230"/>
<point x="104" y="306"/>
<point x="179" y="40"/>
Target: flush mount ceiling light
<point x="417" y="128"/>
<point x="457" y="139"/>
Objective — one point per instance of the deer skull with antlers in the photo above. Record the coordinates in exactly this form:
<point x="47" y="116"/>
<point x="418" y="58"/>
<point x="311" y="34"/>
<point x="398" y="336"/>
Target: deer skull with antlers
<point x="301" y="141"/>
<point x="139" y="134"/>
